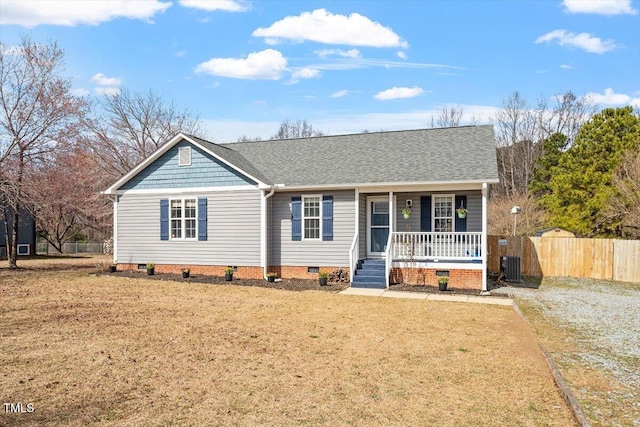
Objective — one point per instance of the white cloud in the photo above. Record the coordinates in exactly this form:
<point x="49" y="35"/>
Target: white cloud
<point x="268" y="64"/>
<point x="212" y="5"/>
<point x="179" y="53"/>
<point x="71" y="13"/>
<point x="583" y="41"/>
<point x="402" y="55"/>
<point x="108" y="86"/>
<point x="80" y="92"/>
<point x="567" y="67"/>
<point x="351" y="53"/>
<point x="599" y="7"/>
<point x="102" y="80"/>
<point x="399" y="92"/>
<point x="306" y="73"/>
<point x="107" y="91"/>
<point x="609" y="97"/>
<point x="339" y="94"/>
<point x="324" y="27"/>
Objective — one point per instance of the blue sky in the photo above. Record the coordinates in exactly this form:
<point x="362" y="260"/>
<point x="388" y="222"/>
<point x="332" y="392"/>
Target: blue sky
<point x="344" y="66"/>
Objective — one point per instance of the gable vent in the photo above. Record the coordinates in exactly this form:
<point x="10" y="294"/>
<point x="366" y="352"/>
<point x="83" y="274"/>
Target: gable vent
<point x="184" y="156"/>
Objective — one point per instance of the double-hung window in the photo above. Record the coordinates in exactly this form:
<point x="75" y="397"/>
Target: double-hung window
<point x="443" y="213"/>
<point x="183" y="218"/>
<point x="311" y="217"/>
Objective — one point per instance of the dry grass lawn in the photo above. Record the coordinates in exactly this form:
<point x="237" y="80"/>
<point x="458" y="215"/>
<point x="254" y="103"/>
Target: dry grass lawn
<point x="87" y="349"/>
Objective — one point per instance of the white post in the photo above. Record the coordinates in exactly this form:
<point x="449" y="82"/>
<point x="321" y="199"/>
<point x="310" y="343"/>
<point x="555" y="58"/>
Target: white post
<point x="115" y="228"/>
<point x="357" y="232"/>
<point x="485" y="257"/>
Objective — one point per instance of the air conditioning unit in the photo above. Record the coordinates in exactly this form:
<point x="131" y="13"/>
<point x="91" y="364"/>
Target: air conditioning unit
<point x="510" y="267"/>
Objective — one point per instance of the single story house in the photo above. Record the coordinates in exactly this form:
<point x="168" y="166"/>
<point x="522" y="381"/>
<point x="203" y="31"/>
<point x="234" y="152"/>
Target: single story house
<point x="381" y="205"/>
<point x="26" y="232"/>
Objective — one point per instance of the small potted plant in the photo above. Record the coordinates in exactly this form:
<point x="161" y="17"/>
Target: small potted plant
<point x="228" y="274"/>
<point x="113" y="267"/>
<point x="443" y="281"/>
<point x="406" y="212"/>
<point x="461" y="211"/>
<point x="322" y="278"/>
<point x="185" y="272"/>
<point x="271" y="277"/>
<point x="150" y="268"/>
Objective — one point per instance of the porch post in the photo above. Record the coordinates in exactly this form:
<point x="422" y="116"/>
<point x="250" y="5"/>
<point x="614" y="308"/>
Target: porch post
<point x="392" y="225"/>
<point x="356" y="250"/>
<point x="485" y="257"/>
<point x="115" y="229"/>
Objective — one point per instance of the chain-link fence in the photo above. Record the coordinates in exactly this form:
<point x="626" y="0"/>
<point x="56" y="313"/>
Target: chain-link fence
<point x="72" y="248"/>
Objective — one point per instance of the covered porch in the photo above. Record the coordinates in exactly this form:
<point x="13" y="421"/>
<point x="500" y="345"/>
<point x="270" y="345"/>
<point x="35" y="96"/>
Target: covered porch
<point x="420" y="229"/>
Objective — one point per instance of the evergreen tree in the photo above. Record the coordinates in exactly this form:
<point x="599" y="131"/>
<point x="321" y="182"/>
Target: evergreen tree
<point x="552" y="149"/>
<point x="580" y="184"/>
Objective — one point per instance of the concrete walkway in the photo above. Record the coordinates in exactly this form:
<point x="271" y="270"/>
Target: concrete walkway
<point x="431" y="297"/>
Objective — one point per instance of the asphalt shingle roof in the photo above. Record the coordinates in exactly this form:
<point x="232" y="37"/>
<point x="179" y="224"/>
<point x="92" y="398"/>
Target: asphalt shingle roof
<point x="466" y="153"/>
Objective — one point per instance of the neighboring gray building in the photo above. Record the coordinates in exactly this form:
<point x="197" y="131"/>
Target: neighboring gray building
<point x="382" y="205"/>
<point x="26" y="233"/>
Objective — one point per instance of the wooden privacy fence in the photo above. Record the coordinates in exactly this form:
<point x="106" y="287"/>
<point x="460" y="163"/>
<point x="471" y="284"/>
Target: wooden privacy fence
<point x="556" y="256"/>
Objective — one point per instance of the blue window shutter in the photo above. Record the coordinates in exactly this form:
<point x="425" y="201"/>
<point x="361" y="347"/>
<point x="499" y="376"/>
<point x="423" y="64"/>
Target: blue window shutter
<point x="202" y="219"/>
<point x="164" y="219"/>
<point x="461" y="223"/>
<point x="425" y="213"/>
<point x="296" y="218"/>
<point x="327" y="217"/>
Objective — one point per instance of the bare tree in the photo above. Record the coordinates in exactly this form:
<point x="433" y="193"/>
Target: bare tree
<point x="132" y="126"/>
<point x="38" y="114"/>
<point x="297" y="129"/>
<point x="515" y="127"/>
<point x="566" y="115"/>
<point x="449" y="116"/>
<point x="624" y="205"/>
<point x="64" y="192"/>
<point x="531" y="217"/>
<point x="246" y="138"/>
<point x="521" y="129"/>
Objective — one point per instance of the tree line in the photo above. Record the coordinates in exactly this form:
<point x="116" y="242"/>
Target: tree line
<point x="564" y="163"/>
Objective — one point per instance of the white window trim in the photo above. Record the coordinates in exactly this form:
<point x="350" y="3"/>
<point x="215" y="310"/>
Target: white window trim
<point x="186" y="149"/>
<point x="22" y="246"/>
<point x="302" y="217"/>
<point x="453" y="211"/>
<point x="183" y="219"/>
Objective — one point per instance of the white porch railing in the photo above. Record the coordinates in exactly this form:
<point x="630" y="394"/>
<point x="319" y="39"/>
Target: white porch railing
<point x="353" y="256"/>
<point x="387" y="261"/>
<point x="441" y="246"/>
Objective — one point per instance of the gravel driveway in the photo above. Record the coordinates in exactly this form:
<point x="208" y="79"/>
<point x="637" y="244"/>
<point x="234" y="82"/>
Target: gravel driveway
<point x="604" y="317"/>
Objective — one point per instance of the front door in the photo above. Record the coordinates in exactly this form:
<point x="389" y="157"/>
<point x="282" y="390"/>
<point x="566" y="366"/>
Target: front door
<point x="377" y="226"/>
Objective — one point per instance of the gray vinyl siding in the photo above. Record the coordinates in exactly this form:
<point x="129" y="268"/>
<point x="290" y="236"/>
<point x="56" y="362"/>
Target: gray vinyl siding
<point x="204" y="171"/>
<point x="474" y="210"/>
<point x="335" y="253"/>
<point x="233" y="231"/>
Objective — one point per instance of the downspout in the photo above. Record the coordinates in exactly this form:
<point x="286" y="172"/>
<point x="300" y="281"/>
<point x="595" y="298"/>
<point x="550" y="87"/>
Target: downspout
<point x="264" y="238"/>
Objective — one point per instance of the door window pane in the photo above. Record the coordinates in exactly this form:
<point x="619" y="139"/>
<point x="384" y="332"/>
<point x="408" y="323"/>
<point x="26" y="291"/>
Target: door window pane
<point x="379" y="237"/>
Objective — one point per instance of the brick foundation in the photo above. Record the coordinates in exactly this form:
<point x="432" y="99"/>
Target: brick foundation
<point x="291" y="272"/>
<point x="286" y="272"/>
<point x="458" y="279"/>
<point x="207" y="270"/>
